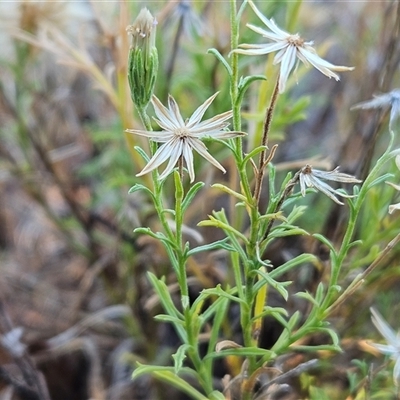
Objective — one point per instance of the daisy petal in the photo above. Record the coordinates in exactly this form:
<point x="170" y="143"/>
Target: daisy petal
<point x="264" y="33"/>
<point x="266" y="48"/>
<point x="164" y="114"/>
<point x="287" y="65"/>
<point x="379" y="101"/>
<point x="302" y="185"/>
<point x="198" y="114"/>
<point x="161" y="155"/>
<point x="336" y="176"/>
<point x="212" y="124"/>
<point x="188" y="156"/>
<point x="174" y="111"/>
<point x="269" y="23"/>
<point x="326" y="190"/>
<point x="383" y="327"/>
<point x="202" y="150"/>
<point x="174" y="157"/>
<point x="155" y="136"/>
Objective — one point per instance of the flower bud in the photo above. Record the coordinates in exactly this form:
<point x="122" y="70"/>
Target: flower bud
<point x="143" y="58"/>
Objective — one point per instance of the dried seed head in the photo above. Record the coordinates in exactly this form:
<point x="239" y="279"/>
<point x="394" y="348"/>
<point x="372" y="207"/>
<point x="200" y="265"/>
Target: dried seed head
<point x="143" y="58"/>
<point x="143" y="30"/>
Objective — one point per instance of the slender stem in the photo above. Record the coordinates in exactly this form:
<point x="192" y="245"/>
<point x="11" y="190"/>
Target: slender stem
<point x="338" y="260"/>
<point x="359" y="280"/>
<point x="247" y="293"/>
<point x="144" y="117"/>
<point x="180" y="167"/>
<point x="236" y="118"/>
<point x="264" y="142"/>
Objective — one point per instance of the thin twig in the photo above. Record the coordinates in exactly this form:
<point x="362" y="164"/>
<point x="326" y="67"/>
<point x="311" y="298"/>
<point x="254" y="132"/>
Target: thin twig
<point x="361" y="278"/>
<point x="264" y="142"/>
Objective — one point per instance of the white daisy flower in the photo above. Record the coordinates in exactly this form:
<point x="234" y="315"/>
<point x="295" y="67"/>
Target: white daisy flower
<point x="289" y="47"/>
<point x="180" y="137"/>
<point x="392" y="348"/>
<point x="384" y="100"/>
<point x="314" y="178"/>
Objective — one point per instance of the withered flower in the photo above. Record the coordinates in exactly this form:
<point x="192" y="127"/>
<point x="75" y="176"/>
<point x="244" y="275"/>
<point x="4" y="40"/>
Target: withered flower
<point x="314" y="178"/>
<point x="289" y="47"/>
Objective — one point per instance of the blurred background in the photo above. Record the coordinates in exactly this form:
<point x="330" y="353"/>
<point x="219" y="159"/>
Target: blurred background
<point x="76" y="308"/>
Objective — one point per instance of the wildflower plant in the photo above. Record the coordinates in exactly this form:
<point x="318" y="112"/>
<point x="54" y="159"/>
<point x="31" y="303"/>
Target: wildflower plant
<point x="250" y="227"/>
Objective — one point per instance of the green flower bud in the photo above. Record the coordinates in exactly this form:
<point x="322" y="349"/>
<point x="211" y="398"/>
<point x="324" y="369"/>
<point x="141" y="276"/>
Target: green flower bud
<point x="143" y="58"/>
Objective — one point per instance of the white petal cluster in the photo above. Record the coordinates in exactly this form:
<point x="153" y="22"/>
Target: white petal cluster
<point x="180" y="137"/>
<point x="290" y="48"/>
<point x="314" y="178"/>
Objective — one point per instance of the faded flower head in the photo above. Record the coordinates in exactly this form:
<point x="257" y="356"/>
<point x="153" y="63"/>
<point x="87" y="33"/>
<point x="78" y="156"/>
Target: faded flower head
<point x="392" y="348"/>
<point x="143" y="58"/>
<point x="289" y="47"/>
<point x="143" y="30"/>
<point x="394" y="207"/>
<point x="314" y="178"/>
<point x="385" y="100"/>
<point x="183" y="15"/>
<point x="180" y="137"/>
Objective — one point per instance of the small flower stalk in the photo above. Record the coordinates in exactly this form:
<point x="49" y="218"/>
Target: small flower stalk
<point x="143" y="59"/>
<point x="385" y="100"/>
<point x="314" y="178"/>
<point x="289" y="48"/>
<point x="180" y="137"/>
<point x="392" y="348"/>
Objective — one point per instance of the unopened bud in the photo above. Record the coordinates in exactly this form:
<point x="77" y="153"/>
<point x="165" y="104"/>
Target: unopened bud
<point x="143" y="58"/>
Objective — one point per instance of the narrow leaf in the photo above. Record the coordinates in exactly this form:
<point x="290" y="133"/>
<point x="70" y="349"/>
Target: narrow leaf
<point x="244" y="84"/>
<point x="179" y="357"/>
<point x="230" y="191"/>
<point x="294" y="262"/>
<point x="142" y="153"/>
<point x="190" y="195"/>
<point x="221" y="58"/>
<point x="167" y="374"/>
<point x="219" y="244"/>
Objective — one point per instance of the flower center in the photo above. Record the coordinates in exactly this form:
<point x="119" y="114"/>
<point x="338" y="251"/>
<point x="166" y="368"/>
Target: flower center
<point x="295" y="40"/>
<point x="307" y="170"/>
<point x="182" y="133"/>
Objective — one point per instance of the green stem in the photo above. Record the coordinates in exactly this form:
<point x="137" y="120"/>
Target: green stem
<point x="354" y="213"/>
<point x="236" y="118"/>
<point x="142" y="111"/>
<point x="179" y="254"/>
